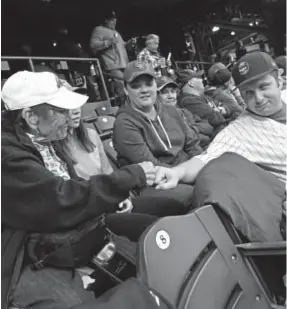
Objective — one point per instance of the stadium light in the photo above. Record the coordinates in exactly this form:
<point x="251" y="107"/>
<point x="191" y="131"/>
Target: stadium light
<point x="232" y="33"/>
<point x="251" y="24"/>
<point x="215" y="28"/>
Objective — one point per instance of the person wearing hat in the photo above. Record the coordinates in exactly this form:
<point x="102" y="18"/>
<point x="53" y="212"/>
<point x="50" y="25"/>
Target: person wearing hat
<point x="244" y="168"/>
<point x="281" y="62"/>
<point x="167" y="94"/>
<point x="108" y="45"/>
<point x="151" y="55"/>
<point x="224" y="91"/>
<point x="259" y="134"/>
<point x="147" y="130"/>
<point x="193" y="99"/>
<point x="42" y="194"/>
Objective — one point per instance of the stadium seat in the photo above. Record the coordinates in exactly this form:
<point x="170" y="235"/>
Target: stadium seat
<point x="104" y="124"/>
<point x="106" y="110"/>
<point x="111" y="153"/>
<point x="192" y="262"/>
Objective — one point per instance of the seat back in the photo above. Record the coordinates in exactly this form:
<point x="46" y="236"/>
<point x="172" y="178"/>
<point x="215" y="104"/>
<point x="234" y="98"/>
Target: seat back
<point x="111" y="153"/>
<point x="104" y="123"/>
<point x="106" y="110"/>
<point x="191" y="268"/>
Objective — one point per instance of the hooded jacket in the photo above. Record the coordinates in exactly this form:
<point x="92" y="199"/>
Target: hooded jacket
<point x="112" y="57"/>
<point x="165" y="141"/>
<point x="35" y="200"/>
<point x="198" y="105"/>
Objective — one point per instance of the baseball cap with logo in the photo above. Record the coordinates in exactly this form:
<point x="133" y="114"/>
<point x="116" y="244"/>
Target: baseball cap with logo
<point x="252" y="66"/>
<point x="26" y="89"/>
<point x="215" y="68"/>
<point x="164" y="81"/>
<point x="186" y="75"/>
<point x="137" y="68"/>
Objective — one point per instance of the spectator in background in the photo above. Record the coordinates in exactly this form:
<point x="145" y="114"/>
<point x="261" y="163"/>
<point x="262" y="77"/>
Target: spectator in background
<point x="147" y="130"/>
<point x="151" y="55"/>
<point x="240" y="49"/>
<point x="167" y="94"/>
<point x="224" y="91"/>
<point x="108" y="45"/>
<point x="281" y="63"/>
<point x="193" y="99"/>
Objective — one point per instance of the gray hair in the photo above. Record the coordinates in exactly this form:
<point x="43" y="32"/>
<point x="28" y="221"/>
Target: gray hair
<point x="151" y="37"/>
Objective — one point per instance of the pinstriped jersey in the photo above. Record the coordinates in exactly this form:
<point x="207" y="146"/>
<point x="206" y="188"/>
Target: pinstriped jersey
<point x="259" y="139"/>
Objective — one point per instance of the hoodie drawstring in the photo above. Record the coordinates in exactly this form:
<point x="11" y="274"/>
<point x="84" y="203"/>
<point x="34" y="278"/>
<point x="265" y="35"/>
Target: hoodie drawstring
<point x="155" y="131"/>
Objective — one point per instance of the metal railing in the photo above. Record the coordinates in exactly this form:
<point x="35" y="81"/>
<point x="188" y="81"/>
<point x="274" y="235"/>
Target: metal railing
<point x="31" y="59"/>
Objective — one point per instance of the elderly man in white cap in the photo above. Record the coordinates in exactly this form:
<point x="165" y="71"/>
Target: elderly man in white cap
<point x="41" y="193"/>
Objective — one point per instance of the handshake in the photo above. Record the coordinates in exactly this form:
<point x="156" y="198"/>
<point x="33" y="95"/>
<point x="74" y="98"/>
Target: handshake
<point x="161" y="177"/>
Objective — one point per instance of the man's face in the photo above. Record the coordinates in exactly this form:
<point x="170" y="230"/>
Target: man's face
<point x="142" y="92"/>
<point x="51" y="124"/>
<point x="111" y="23"/>
<point x="197" y="83"/>
<point x="153" y="44"/>
<point x="168" y="95"/>
<point x="262" y="96"/>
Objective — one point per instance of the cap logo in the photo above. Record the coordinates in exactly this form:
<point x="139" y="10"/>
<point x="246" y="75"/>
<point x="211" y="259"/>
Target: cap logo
<point x="243" y="68"/>
<point x="140" y="65"/>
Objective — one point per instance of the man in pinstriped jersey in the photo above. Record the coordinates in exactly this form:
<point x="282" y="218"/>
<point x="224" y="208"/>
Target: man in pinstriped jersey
<point x="259" y="134"/>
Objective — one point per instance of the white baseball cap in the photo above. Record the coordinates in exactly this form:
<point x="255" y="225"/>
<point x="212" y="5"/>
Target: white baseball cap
<point x="26" y="89"/>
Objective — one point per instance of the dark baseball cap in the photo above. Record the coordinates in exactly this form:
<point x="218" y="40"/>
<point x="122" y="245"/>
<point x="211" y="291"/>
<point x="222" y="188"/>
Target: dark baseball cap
<point x="164" y="81"/>
<point x="137" y="68"/>
<point x="215" y="68"/>
<point x="185" y="75"/>
<point x="281" y="63"/>
<point x="252" y="66"/>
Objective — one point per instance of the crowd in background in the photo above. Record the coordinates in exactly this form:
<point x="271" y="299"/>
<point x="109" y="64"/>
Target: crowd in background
<point x="170" y="127"/>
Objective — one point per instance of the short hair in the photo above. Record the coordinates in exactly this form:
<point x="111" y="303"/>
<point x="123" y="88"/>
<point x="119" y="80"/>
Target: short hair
<point x="151" y="37"/>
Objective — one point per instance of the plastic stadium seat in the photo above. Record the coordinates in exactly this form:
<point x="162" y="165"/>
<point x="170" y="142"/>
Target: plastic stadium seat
<point x="104" y="124"/>
<point x="192" y="262"/>
<point x="111" y="153"/>
<point x="106" y="110"/>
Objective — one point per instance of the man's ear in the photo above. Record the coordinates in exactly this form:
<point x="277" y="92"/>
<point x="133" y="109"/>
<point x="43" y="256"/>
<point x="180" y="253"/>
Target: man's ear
<point x="30" y="117"/>
<point x="280" y="79"/>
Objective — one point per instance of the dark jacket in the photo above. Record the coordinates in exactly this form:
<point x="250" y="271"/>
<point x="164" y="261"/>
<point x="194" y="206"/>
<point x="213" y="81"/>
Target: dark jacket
<point x="202" y="126"/>
<point x="112" y="57"/>
<point x="228" y="101"/>
<point x="35" y="200"/>
<point x="198" y="105"/>
<point x="165" y="141"/>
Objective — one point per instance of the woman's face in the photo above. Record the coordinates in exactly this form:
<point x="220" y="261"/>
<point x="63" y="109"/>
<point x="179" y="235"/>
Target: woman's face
<point x="168" y="95"/>
<point x="74" y="118"/>
<point x="142" y="92"/>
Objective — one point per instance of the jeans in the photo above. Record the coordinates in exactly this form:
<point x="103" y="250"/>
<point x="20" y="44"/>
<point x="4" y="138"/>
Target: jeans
<point x="51" y="288"/>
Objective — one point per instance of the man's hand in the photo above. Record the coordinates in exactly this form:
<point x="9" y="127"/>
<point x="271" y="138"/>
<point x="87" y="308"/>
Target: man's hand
<point x="166" y="178"/>
<point x="149" y="171"/>
<point x="125" y="206"/>
<point x="112" y="41"/>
